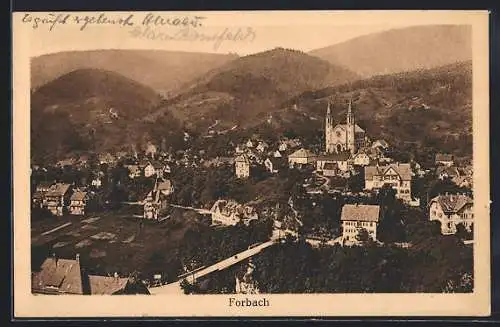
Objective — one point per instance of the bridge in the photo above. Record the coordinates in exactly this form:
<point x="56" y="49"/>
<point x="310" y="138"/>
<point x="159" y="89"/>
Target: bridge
<point x="175" y="287"/>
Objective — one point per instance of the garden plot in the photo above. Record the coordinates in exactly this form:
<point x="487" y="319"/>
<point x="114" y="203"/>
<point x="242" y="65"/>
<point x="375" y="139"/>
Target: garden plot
<point x="129" y="239"/>
<point x="103" y="236"/>
<point x="60" y="244"/>
<point x="89" y="227"/>
<point x="83" y="243"/>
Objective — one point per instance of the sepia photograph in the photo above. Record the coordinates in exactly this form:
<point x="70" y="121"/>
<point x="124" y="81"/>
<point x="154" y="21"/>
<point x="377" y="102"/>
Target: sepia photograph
<point x="249" y="156"/>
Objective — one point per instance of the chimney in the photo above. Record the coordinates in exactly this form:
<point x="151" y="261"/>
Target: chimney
<point x="115" y="275"/>
<point x="54" y="257"/>
<point x="77" y="257"/>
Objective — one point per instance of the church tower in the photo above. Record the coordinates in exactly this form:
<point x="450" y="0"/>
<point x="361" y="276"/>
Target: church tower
<point x="351" y="129"/>
<point x="329" y="146"/>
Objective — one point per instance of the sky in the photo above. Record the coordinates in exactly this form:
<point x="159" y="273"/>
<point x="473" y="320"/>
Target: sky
<point x="297" y="30"/>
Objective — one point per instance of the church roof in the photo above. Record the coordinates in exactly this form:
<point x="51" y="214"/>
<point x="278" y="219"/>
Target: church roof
<point x="357" y="129"/>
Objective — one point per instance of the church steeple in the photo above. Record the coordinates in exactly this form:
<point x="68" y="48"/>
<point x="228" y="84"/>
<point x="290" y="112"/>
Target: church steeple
<point x="329" y="129"/>
<point x="351" y="129"/>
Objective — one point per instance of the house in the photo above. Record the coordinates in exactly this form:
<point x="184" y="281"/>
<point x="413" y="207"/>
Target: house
<point x="262" y="146"/>
<point x="58" y="276"/>
<point x="341" y="160"/>
<point x="96" y="182"/>
<point x="66" y="162"/>
<point x="114" y="285"/>
<point x="365" y="156"/>
<point x="301" y="157"/>
<point x="242" y="166"/>
<point x="451" y="210"/>
<point x="443" y="172"/>
<point x="39" y="194"/>
<point x="134" y="171"/>
<point x="274" y="165"/>
<point x="106" y="158"/>
<point x="156" y="200"/>
<point x="78" y="202"/>
<point x="149" y="170"/>
<point x="229" y="213"/>
<point x="330" y="169"/>
<point x="380" y="144"/>
<point x="397" y="175"/>
<point x="444" y="159"/>
<point x="356" y="217"/>
<point x="56" y="198"/>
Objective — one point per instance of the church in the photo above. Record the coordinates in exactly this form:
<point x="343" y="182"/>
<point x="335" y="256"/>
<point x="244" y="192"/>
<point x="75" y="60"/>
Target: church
<point x="348" y="137"/>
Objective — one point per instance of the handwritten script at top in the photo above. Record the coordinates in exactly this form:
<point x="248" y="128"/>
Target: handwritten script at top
<point x="52" y="20"/>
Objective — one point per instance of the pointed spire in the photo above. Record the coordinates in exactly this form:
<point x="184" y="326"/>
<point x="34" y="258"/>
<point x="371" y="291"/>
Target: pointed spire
<point x="328" y="110"/>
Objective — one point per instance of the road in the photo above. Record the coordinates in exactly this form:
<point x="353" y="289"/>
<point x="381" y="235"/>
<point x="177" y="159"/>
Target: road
<point x="174" y="288"/>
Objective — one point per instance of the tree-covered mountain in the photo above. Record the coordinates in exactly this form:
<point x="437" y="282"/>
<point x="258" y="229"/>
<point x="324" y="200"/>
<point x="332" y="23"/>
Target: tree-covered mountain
<point x="164" y="71"/>
<point x="400" y="50"/>
<point x="89" y="109"/>
<point x="237" y="92"/>
<point x="424" y="108"/>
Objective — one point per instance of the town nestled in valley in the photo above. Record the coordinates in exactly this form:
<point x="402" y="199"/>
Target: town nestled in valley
<point x="276" y="172"/>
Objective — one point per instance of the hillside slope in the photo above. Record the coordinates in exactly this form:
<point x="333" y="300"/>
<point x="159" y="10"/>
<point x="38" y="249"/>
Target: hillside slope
<point x="424" y="108"/>
<point x="401" y="50"/>
<point x="88" y="109"/>
<point x="240" y="90"/>
<point x="163" y="71"/>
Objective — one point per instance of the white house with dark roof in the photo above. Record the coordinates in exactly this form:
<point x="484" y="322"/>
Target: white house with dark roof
<point x="230" y="212"/>
<point x="56" y="198"/>
<point x="451" y="210"/>
<point x="356" y="217"/>
<point x="78" y="202"/>
<point x="397" y="175"/>
<point x="242" y="166"/>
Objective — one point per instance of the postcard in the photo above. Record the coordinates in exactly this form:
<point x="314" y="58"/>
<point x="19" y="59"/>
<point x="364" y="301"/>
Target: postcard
<point x="251" y="163"/>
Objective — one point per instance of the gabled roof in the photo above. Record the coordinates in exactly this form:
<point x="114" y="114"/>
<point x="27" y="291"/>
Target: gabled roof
<point x="380" y="142"/>
<point x="402" y="169"/>
<point x="58" y="189"/>
<point x="302" y="153"/>
<point x="444" y="157"/>
<point x="360" y="212"/>
<point x="357" y="129"/>
<point x="452" y="203"/>
<point x="78" y="196"/>
<point x="242" y="158"/>
<point x="44" y="185"/>
<point x="104" y="285"/>
<point x="62" y="274"/>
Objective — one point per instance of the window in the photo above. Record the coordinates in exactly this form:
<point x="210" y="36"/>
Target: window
<point x="440" y="215"/>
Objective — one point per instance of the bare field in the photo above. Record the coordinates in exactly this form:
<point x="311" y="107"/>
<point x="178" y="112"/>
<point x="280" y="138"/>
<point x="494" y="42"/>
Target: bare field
<point x="111" y="241"/>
